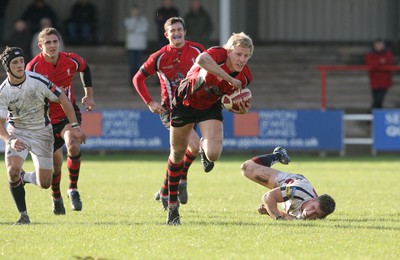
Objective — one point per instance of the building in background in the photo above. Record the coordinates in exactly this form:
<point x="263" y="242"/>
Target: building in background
<point x="266" y="21"/>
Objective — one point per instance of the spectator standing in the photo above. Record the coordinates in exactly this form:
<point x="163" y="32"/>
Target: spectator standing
<point x="36" y="11"/>
<point x="166" y="11"/>
<point x="380" y="79"/>
<point x="21" y="36"/>
<point x="81" y="24"/>
<point x="198" y="23"/>
<point x="3" y="6"/>
<point x="44" y="23"/>
<point x="136" y="27"/>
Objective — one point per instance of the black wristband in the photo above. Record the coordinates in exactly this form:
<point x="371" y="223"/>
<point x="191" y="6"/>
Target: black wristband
<point x="74" y="125"/>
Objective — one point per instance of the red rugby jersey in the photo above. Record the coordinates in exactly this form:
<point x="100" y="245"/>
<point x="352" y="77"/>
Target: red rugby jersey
<point x="205" y="89"/>
<point x="61" y="75"/>
<point x="171" y="65"/>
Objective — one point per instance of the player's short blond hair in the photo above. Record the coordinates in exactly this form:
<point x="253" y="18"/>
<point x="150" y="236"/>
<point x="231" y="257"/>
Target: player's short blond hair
<point x="48" y="31"/>
<point x="240" y="39"/>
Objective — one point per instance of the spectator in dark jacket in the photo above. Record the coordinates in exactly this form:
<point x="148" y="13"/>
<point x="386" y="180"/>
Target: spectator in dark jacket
<point x="198" y="23"/>
<point x="380" y="78"/>
<point x="166" y="11"/>
<point x="3" y="6"/>
<point x="35" y="12"/>
<point x="21" y="37"/>
<point x="82" y="22"/>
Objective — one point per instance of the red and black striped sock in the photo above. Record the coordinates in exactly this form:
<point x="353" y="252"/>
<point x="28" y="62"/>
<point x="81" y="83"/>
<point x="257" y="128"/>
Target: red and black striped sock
<point x="164" y="187"/>
<point x="55" y="187"/>
<point x="73" y="165"/>
<point x="174" y="175"/>
<point x="187" y="161"/>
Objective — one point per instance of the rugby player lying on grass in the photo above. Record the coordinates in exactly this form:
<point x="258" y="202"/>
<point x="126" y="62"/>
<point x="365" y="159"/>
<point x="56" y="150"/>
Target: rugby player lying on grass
<point x="294" y="191"/>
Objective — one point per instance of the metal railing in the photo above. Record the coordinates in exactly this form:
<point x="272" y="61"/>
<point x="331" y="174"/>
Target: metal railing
<point x="323" y="69"/>
<point x="357" y="140"/>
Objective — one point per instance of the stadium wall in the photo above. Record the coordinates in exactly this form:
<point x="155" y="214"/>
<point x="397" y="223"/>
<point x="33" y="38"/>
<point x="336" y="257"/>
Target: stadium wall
<point x="301" y="21"/>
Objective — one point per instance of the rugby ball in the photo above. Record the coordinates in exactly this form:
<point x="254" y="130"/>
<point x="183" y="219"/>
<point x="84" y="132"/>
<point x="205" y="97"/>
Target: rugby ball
<point x="231" y="100"/>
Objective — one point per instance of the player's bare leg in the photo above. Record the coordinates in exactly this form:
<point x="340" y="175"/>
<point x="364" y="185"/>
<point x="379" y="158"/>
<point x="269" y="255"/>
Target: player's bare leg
<point x="179" y="139"/>
<point x="16" y="183"/>
<point x="190" y="155"/>
<point x="258" y="169"/>
<point x="211" y="142"/>
<point x="258" y="173"/>
<point x="14" y="168"/>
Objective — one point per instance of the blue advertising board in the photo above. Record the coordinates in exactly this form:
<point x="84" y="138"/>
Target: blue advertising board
<point x="138" y="130"/>
<point x="292" y="129"/>
<point x="124" y="130"/>
<point x="386" y="128"/>
<point x="257" y="130"/>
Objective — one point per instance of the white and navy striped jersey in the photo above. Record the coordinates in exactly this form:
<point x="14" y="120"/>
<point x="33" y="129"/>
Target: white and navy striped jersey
<point x="26" y="105"/>
<point x="296" y="190"/>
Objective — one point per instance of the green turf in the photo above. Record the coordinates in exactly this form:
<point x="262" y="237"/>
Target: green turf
<point x="120" y="219"/>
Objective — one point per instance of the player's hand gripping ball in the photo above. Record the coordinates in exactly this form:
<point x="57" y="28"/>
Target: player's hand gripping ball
<point x="231" y="100"/>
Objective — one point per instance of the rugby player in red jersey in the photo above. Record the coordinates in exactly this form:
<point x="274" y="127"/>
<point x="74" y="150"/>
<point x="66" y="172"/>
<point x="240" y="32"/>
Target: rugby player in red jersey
<point x="216" y="72"/>
<point x="60" y="67"/>
<point x="171" y="63"/>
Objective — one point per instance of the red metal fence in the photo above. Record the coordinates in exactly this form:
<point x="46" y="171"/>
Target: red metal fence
<point x="323" y="69"/>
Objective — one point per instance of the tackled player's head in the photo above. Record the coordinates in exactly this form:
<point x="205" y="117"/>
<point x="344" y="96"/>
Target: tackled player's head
<point x="240" y="39"/>
<point x="327" y="205"/>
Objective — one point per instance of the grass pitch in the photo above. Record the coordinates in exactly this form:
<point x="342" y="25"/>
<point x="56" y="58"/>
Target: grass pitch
<point x="120" y="219"/>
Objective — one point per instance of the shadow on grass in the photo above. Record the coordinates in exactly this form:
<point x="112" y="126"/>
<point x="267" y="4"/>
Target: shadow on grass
<point x="347" y="223"/>
<point x="395" y="219"/>
<point x="26" y="225"/>
<point x="294" y="224"/>
<point x="228" y="156"/>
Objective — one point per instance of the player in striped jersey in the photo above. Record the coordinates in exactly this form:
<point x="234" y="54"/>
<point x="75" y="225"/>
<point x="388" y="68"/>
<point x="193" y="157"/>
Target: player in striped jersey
<point x="24" y="104"/>
<point x="171" y="63"/>
<point x="293" y="191"/>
